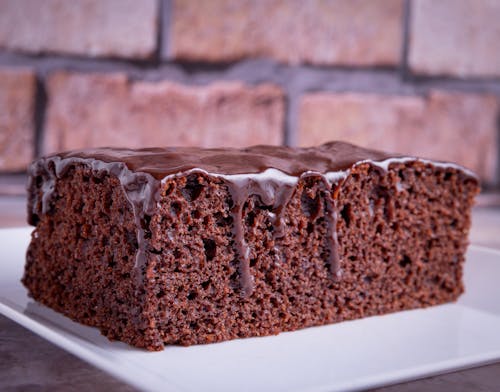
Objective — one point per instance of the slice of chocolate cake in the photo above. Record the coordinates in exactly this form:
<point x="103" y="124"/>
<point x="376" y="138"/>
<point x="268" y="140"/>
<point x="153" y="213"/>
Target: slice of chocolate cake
<point x="186" y="246"/>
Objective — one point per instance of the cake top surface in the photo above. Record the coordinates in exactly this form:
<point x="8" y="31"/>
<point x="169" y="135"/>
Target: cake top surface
<point x="294" y="161"/>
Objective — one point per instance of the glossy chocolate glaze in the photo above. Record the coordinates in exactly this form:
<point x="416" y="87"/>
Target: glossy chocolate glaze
<point x="268" y="172"/>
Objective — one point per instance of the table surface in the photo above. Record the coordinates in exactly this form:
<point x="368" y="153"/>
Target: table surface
<point x="30" y="363"/>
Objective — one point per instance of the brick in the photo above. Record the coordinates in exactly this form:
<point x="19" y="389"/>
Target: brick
<point x="446" y="126"/>
<point x="342" y="32"/>
<point x="17" y="130"/>
<point x="88" y="110"/>
<point x="455" y="37"/>
<point x="109" y="28"/>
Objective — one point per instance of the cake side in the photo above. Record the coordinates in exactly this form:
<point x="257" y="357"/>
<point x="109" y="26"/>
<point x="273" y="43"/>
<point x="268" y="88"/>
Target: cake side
<point x="402" y="236"/>
<point x="82" y="259"/>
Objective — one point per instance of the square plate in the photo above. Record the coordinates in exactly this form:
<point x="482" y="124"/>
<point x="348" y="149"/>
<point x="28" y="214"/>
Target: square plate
<point x="351" y="355"/>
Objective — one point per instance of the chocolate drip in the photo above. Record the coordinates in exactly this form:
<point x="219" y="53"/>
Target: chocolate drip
<point x="241" y="247"/>
<point x="331" y="217"/>
<point x="271" y="192"/>
<point x="271" y="173"/>
<point x="332" y="238"/>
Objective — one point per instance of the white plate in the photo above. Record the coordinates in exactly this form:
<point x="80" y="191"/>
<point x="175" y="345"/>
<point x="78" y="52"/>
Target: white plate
<point x="346" y="356"/>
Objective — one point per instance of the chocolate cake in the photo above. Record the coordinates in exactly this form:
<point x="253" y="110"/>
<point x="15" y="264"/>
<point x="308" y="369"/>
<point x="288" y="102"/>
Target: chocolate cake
<point x="187" y="246"/>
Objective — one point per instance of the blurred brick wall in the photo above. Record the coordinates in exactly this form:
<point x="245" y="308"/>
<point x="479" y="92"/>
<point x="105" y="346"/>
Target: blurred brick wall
<point x="414" y="76"/>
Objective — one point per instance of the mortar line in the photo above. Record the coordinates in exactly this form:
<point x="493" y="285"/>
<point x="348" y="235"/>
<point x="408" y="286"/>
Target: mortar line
<point x="212" y="72"/>
<point x="165" y="30"/>
<point x="405" y="44"/>
<point x="39" y="115"/>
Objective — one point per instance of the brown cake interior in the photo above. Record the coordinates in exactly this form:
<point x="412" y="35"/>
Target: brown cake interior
<point x="402" y="234"/>
<point x="81" y="258"/>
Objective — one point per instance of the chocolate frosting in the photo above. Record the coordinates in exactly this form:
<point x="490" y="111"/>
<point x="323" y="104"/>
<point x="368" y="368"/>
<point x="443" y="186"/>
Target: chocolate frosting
<point x="266" y="171"/>
<point x="161" y="162"/>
